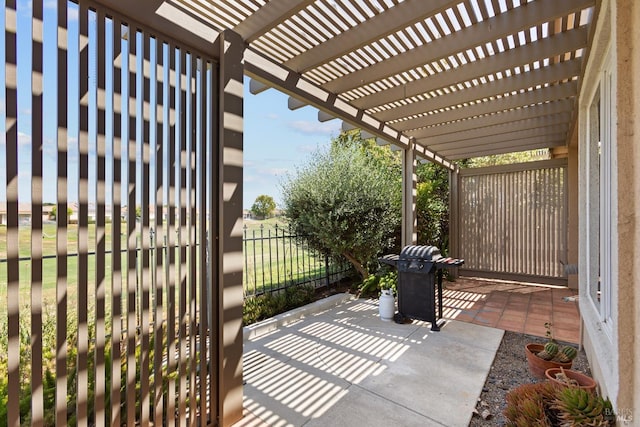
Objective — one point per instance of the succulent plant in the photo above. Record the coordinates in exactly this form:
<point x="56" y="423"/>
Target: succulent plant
<point x="549" y="352"/>
<point x="579" y="407"/>
<point x="527" y="405"/>
<point x="566" y="354"/>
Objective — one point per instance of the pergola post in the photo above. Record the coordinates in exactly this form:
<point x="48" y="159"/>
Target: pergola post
<point x="228" y="228"/>
<point x="454" y="217"/>
<point x="409" y="189"/>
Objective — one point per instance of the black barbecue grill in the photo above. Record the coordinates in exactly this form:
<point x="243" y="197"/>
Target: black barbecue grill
<point x="419" y="271"/>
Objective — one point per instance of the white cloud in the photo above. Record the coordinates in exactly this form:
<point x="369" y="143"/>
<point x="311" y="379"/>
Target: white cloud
<point x="73" y="13"/>
<point x="315" y="128"/>
<point x="273" y="171"/>
<point x="24" y="139"/>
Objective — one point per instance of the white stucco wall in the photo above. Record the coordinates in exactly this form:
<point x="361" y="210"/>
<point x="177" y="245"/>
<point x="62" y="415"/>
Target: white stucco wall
<point x="599" y="338"/>
<point x="613" y="349"/>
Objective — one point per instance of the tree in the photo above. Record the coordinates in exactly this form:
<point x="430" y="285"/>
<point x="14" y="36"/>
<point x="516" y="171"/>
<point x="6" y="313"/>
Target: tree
<point x="432" y="206"/>
<point x="263" y="207"/>
<point x="345" y="203"/>
<point x="54" y="212"/>
<point x="508" y="158"/>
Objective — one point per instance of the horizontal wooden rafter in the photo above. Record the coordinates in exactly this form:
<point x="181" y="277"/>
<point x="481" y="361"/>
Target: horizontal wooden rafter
<point x="500" y="129"/>
<point x="518" y="135"/>
<point x="503" y="25"/>
<point x="551" y="74"/>
<point x="268" y="17"/>
<point x="551" y="46"/>
<point x="379" y="26"/>
<point x="566" y="90"/>
<point x="508" y="117"/>
<point x="533" y="144"/>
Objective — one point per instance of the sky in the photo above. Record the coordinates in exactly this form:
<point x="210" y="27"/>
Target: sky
<point x="276" y="139"/>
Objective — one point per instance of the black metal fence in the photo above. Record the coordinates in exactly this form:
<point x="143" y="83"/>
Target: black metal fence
<point x="276" y="259"/>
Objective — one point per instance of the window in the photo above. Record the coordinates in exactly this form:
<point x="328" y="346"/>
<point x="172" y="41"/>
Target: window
<point x="601" y="195"/>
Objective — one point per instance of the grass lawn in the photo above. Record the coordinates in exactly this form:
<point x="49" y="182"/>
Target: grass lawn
<point x="49" y="266"/>
<point x="271" y="261"/>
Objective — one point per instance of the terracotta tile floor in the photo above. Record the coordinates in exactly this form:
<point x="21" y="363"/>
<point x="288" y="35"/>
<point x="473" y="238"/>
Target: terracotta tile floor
<point x="513" y="306"/>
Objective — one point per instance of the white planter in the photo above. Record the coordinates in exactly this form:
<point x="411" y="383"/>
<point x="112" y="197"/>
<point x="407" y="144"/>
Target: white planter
<point x="386" y="305"/>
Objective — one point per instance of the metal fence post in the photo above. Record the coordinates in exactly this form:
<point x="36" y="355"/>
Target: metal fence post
<point x="326" y="269"/>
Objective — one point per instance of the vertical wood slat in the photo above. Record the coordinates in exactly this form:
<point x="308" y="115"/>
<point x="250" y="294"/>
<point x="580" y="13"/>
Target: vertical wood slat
<point x="191" y="242"/>
<point x="13" y="266"/>
<point x="172" y="88"/>
<point x="182" y="237"/>
<point x="143" y="131"/>
<point x="100" y="236"/>
<point x="131" y="231"/>
<point x="101" y="100"/>
<point x="82" y="379"/>
<point x="37" y="395"/>
<point x="116" y="209"/>
<point x="161" y="124"/>
<point x="204" y="374"/>
<point x="61" y="219"/>
<point x="213" y="209"/>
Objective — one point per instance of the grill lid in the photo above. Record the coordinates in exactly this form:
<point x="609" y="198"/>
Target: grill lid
<point x="418" y="259"/>
<point x="420" y="252"/>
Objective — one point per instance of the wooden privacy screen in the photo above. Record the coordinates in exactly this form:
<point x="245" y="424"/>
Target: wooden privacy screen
<point x="111" y="186"/>
<point x="513" y="221"/>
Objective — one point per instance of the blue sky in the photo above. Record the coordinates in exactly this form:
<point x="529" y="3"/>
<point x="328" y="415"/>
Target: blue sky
<point x="276" y="139"/>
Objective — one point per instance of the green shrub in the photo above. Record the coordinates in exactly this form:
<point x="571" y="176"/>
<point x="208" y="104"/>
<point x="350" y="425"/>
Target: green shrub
<point x="385" y="278"/>
<point x="267" y="305"/>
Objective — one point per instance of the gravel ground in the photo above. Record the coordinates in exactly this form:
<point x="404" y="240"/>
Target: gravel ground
<point x="509" y="370"/>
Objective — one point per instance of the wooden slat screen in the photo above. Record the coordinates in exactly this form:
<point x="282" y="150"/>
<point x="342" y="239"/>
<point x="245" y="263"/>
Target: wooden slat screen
<point x="513" y="220"/>
<point x="110" y="182"/>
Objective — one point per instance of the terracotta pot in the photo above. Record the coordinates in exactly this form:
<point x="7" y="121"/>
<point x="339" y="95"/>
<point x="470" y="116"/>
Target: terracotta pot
<point x="538" y="366"/>
<point x="584" y="381"/>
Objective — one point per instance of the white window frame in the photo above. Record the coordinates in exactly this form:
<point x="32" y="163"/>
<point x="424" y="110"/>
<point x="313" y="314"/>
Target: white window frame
<point x="602" y="192"/>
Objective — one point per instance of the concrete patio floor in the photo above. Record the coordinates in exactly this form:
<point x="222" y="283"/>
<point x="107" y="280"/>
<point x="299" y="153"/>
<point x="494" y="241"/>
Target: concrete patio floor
<point x="336" y="363"/>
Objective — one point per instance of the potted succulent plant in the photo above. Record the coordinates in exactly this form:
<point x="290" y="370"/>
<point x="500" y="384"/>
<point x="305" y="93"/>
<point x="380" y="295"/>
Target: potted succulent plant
<point x="541" y="357"/>
<point x="570" y="378"/>
<point x="544" y="404"/>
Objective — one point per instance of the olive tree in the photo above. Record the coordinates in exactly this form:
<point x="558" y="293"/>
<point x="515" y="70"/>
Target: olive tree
<point x="346" y="202"/>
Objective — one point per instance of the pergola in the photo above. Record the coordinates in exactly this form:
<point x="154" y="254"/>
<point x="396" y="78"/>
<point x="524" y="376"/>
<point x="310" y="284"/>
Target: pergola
<point x="443" y="80"/>
<point x="454" y="79"/>
<point x="440" y="79"/>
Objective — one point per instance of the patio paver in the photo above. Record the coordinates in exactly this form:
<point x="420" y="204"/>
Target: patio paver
<point x="513" y="306"/>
